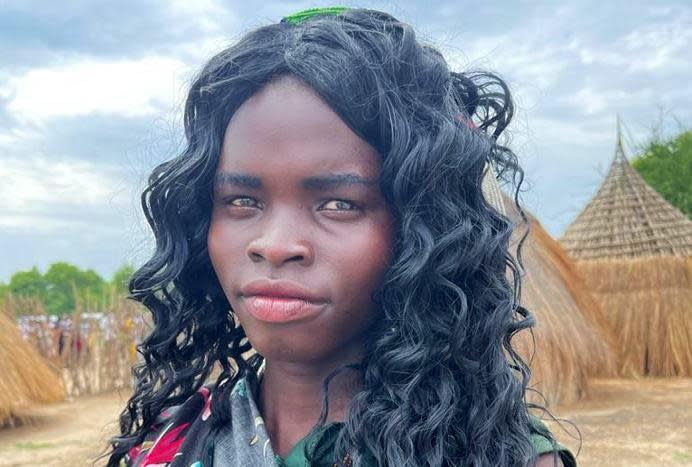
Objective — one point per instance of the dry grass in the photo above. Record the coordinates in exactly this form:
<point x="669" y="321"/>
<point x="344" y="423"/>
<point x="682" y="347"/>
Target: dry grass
<point x="649" y="303"/>
<point x="573" y="339"/>
<point x="26" y="378"/>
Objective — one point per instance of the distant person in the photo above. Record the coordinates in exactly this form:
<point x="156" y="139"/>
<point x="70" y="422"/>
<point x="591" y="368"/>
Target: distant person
<point x="327" y="213"/>
<point x="59" y="335"/>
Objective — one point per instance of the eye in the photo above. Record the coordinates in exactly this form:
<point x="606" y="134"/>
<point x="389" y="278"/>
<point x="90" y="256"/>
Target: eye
<point x="340" y="205"/>
<point x="241" y="202"/>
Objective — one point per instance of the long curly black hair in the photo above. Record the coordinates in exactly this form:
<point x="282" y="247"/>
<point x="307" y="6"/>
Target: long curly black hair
<point x="443" y="385"/>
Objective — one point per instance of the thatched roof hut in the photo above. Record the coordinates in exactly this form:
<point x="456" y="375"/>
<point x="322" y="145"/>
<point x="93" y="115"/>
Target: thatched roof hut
<point x="26" y="378"/>
<point x="573" y="341"/>
<point x="634" y="249"/>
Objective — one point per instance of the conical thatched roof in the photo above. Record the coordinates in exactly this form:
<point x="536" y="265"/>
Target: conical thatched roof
<point x="572" y="339"/>
<point x="627" y="219"/>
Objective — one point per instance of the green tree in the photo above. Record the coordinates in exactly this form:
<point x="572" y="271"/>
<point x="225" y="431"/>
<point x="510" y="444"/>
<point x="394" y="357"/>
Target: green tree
<point x="121" y="277"/>
<point x="29" y="283"/>
<point x="64" y="280"/>
<point x="59" y="287"/>
<point x="666" y="165"/>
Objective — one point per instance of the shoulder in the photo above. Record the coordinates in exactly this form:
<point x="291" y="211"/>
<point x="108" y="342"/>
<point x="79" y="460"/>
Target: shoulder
<point x="547" y="447"/>
<point x="173" y="426"/>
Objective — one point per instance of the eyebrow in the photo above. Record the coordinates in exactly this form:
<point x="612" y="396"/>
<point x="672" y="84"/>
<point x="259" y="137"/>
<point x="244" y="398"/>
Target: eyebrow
<point x="312" y="183"/>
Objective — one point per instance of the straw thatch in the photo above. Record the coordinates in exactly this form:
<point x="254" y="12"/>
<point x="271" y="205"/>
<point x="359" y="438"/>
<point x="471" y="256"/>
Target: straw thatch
<point x="627" y="219"/>
<point x="25" y="377"/>
<point x="649" y="302"/>
<point x="633" y="248"/>
<point x="573" y="341"/>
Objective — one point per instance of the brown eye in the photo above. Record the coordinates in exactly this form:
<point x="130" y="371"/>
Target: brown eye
<point x="241" y="202"/>
<point x="340" y="205"/>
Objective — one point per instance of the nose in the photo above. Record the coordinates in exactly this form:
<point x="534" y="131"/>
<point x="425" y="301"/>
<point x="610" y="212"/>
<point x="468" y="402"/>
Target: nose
<point x="280" y="243"/>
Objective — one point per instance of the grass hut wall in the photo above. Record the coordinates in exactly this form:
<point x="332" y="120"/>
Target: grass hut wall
<point x="25" y="377"/>
<point x="634" y="251"/>
<point x="573" y="341"/>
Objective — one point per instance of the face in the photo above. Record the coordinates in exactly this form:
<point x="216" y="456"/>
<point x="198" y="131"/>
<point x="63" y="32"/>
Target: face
<point x="300" y="234"/>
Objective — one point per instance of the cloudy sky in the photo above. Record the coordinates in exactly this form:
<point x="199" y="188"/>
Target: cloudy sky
<point x="91" y="95"/>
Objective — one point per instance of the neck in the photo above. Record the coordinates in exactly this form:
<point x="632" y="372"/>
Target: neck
<point x="290" y="397"/>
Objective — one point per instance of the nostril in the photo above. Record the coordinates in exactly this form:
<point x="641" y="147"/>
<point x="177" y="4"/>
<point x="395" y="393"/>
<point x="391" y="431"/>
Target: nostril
<point x="255" y="256"/>
<point x="279" y="254"/>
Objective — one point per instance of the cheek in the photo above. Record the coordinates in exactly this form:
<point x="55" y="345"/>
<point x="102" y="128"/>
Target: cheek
<point x="214" y="244"/>
<point x="222" y="249"/>
<point x="365" y="260"/>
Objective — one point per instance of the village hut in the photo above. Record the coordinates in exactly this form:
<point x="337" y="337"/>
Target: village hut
<point x="571" y="341"/>
<point x="25" y="377"/>
<point x="634" y="250"/>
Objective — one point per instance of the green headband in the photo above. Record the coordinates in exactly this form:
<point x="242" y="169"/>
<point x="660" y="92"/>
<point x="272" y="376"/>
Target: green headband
<point x="302" y="15"/>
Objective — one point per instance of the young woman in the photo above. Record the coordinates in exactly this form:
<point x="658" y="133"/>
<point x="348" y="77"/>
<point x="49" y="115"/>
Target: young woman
<point x="323" y="239"/>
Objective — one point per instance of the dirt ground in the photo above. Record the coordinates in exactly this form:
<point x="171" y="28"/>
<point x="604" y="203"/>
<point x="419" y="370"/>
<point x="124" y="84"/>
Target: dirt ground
<point x="624" y="423"/>
<point x="65" y="434"/>
<point x="633" y="423"/>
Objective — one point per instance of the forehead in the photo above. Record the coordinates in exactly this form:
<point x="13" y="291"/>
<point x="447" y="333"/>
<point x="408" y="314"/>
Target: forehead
<point x="286" y="125"/>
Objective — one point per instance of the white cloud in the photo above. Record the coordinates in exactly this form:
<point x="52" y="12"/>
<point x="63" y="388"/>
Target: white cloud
<point x="653" y="47"/>
<point x="660" y="46"/>
<point x="591" y="101"/>
<point x="36" y="191"/>
<point x="43" y="224"/>
<point x="574" y="133"/>
<point x="41" y="180"/>
<point x="209" y="15"/>
<point x="85" y="85"/>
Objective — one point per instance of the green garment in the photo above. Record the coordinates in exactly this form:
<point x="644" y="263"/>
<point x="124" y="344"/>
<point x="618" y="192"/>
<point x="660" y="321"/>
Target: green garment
<point x="320" y="444"/>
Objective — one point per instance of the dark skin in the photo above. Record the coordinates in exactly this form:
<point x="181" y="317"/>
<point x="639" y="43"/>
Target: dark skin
<point x="273" y="219"/>
<point x="332" y="238"/>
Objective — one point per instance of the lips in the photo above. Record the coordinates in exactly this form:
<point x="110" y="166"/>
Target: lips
<point x="280" y="289"/>
<point x="280" y="301"/>
<point x="281" y="310"/>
